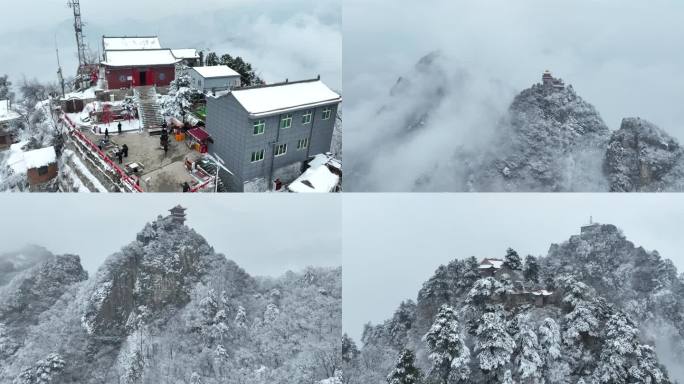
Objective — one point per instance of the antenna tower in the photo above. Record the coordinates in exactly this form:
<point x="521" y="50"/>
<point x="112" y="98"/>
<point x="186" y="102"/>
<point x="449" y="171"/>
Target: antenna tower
<point x="78" y="28"/>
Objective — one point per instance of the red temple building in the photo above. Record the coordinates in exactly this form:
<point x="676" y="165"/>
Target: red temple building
<point x="138" y="61"/>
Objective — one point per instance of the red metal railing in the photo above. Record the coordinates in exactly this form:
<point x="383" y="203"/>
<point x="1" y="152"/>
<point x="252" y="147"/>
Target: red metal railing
<point x="127" y="180"/>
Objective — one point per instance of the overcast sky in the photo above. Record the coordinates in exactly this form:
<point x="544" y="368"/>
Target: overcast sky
<point x="624" y="57"/>
<point x="265" y="235"/>
<point x="293" y="39"/>
<point x="394" y="242"/>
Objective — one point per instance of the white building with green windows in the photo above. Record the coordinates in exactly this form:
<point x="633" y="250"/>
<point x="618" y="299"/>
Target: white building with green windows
<point x="265" y="133"/>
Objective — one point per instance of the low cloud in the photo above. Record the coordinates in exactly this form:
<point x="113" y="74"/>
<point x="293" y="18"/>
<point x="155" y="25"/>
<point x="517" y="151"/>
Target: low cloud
<point x="618" y="56"/>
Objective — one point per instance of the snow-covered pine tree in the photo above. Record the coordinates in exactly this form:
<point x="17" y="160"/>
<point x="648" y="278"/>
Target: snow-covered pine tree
<point x="241" y="318"/>
<point x="529" y="361"/>
<point x="554" y="369"/>
<point x="472" y="272"/>
<point x="623" y="358"/>
<point x="447" y="350"/>
<point x="512" y="260"/>
<point x="45" y="371"/>
<point x="531" y="269"/>
<point x="6" y="89"/>
<point x="405" y="371"/>
<point x="401" y="323"/>
<point x="349" y="349"/>
<point x="494" y="346"/>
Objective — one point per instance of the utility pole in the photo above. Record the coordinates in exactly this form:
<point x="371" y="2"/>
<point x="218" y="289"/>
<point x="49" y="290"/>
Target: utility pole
<point x="78" y="28"/>
<point x="60" y="75"/>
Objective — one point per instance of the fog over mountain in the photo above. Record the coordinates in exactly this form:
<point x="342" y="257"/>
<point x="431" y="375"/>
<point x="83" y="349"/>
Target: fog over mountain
<point x="489" y="54"/>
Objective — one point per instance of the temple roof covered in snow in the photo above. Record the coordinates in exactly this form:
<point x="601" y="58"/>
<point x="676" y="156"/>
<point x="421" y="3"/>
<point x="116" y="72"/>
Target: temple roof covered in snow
<point x="216" y="71"/>
<point x="117" y="43"/>
<point x="140" y="57"/>
<point x="284" y="97"/>
<point x="491" y="263"/>
<point x="184" y="53"/>
<point x="6" y="113"/>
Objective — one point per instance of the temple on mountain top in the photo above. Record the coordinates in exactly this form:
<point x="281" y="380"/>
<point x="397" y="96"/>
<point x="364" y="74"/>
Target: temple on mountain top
<point x="551" y="82"/>
<point x="178" y="214"/>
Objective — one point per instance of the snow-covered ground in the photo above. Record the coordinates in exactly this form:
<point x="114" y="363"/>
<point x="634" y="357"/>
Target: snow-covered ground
<point x="81" y="120"/>
<point x="85" y="171"/>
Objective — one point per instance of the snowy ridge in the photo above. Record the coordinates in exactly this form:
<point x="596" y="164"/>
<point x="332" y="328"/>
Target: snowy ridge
<point x="167" y="308"/>
<point x="612" y="314"/>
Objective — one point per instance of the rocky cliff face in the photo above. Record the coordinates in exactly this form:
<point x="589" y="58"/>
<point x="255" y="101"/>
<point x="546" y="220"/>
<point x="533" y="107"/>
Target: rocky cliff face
<point x="155" y="272"/>
<point x="643" y="158"/>
<point x="552" y="140"/>
<point x="640" y="281"/>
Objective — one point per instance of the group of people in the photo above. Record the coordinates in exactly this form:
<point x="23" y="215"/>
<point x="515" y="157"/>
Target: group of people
<point x="121" y="153"/>
<point x="107" y="130"/>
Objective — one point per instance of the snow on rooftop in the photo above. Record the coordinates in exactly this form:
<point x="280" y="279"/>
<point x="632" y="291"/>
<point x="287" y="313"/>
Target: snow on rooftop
<point x="318" y="177"/>
<point x="285" y="97"/>
<point x="321" y="159"/>
<point x="216" y="71"/>
<point x="86" y="94"/>
<point x="23" y="161"/>
<point x="185" y="53"/>
<point x="6" y="113"/>
<point x="491" y="263"/>
<point x="133" y="42"/>
<point x="137" y="58"/>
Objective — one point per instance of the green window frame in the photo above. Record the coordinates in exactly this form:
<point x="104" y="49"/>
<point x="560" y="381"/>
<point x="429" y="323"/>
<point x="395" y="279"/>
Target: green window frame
<point x="302" y="144"/>
<point x="259" y="127"/>
<point x="280" y="150"/>
<point x="306" y="117"/>
<point x="286" y="121"/>
<point x="327" y="112"/>
<point x="257" y="156"/>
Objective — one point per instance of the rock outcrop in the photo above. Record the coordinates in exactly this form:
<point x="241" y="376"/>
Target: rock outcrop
<point x="551" y="140"/>
<point x="643" y="158"/>
<point x="156" y="271"/>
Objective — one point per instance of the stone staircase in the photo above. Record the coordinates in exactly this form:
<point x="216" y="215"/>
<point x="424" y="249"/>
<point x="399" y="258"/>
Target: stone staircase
<point x="148" y="108"/>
